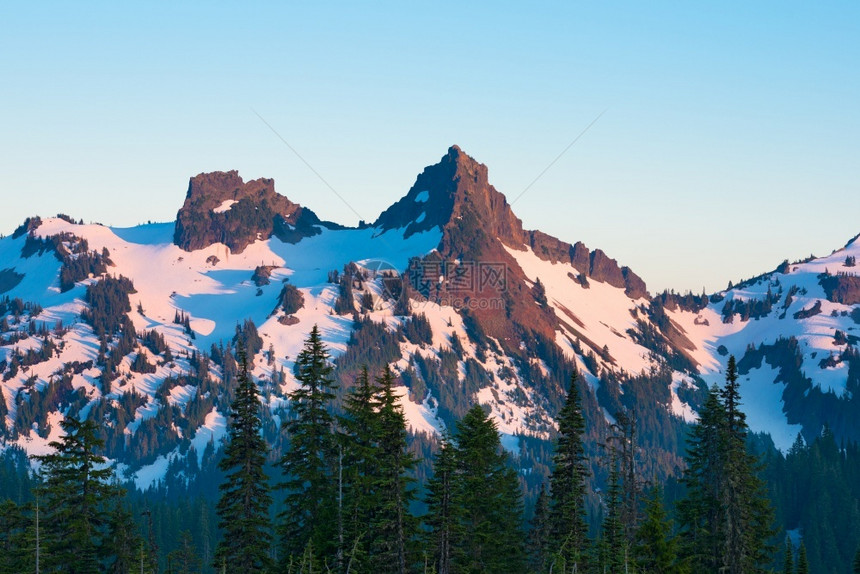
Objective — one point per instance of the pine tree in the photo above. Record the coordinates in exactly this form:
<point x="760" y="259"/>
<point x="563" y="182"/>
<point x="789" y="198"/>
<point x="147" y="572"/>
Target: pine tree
<point x="243" y="508"/>
<point x="656" y="550"/>
<point x="310" y="513"/>
<point x="393" y="526"/>
<point x="568" y="538"/>
<point x="700" y="512"/>
<point x="75" y="485"/>
<point x="747" y="510"/>
<point x="726" y="514"/>
<point x="359" y="445"/>
<point x="802" y="563"/>
<point x="612" y="531"/>
<point x="537" y="543"/>
<point x="788" y="559"/>
<point x="184" y="560"/>
<point x="490" y="499"/>
<point x="443" y="511"/>
<point x="122" y="539"/>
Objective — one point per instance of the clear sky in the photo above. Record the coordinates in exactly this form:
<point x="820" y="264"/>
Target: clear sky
<point x="730" y="139"/>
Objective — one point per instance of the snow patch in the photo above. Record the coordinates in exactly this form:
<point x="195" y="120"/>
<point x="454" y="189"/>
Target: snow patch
<point x="226" y="205"/>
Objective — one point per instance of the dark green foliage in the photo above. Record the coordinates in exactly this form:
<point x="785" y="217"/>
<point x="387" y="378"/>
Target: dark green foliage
<point x="856" y="565"/>
<point x="310" y="511"/>
<point x="17" y="538"/>
<point x="359" y="447"/>
<point x="184" y="560"/>
<point x="726" y="514"/>
<point x="788" y="559"/>
<point x="569" y="529"/>
<point x="248" y="338"/>
<point x="443" y="519"/>
<point x="393" y="526"/>
<point x="243" y="508"/>
<point x="74" y="493"/>
<point x="418" y="330"/>
<point x="540" y="531"/>
<point x="656" y="550"/>
<point x="489" y="499"/>
<point x="290" y="299"/>
<point x="344" y="305"/>
<point x="749" y="308"/>
<point x="802" y="563"/>
<point x="108" y="303"/>
<point x="539" y="293"/>
<point x="122" y="540"/>
<point x="141" y="365"/>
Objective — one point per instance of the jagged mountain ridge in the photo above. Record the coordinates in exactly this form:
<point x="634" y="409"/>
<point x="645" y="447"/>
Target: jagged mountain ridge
<point x="507" y="343"/>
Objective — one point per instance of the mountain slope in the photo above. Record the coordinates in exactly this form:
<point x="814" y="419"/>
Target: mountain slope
<point x="135" y="326"/>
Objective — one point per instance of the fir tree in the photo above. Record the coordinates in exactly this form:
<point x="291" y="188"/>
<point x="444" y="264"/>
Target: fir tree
<point x="243" y="507"/>
<point x="612" y="532"/>
<point x="184" y="560"/>
<point x="359" y="444"/>
<point x="700" y="512"/>
<point x="747" y="511"/>
<point x="443" y="511"/>
<point x="490" y="499"/>
<point x="656" y="550"/>
<point x="75" y="484"/>
<point x="310" y="513"/>
<point x="393" y="526"/>
<point x="726" y="513"/>
<point x="122" y="539"/>
<point x="802" y="563"/>
<point x="788" y="559"/>
<point x="537" y="544"/>
<point x="568" y="538"/>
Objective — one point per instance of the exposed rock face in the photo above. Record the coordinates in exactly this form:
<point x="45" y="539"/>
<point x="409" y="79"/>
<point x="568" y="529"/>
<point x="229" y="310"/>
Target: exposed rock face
<point x="457" y="189"/>
<point x="843" y="289"/>
<point x="477" y="223"/>
<point x="221" y="207"/>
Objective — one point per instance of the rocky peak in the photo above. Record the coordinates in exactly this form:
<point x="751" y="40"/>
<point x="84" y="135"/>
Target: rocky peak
<point x="456" y="196"/>
<point x="221" y="207"/>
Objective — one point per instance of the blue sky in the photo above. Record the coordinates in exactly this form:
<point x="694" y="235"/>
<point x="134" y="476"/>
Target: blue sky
<point x="730" y="139"/>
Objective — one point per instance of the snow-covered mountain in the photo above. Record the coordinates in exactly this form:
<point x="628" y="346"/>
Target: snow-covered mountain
<point x="130" y="325"/>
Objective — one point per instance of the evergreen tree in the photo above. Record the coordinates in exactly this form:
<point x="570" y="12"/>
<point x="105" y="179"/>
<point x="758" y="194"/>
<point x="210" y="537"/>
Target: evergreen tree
<point x="656" y="550"/>
<point x="802" y="563"/>
<point x="700" y="512"/>
<point x="726" y="513"/>
<point x="568" y="538"/>
<point x="393" y="526"/>
<point x="184" y="560"/>
<point x="309" y="520"/>
<point x="243" y="507"/>
<point x="537" y="544"/>
<point x="74" y="488"/>
<point x="490" y="500"/>
<point x="612" y="533"/>
<point x="359" y="445"/>
<point x="856" y="565"/>
<point x="788" y="560"/>
<point x="747" y="511"/>
<point x="122" y="539"/>
<point x="15" y="546"/>
<point x="443" y="511"/>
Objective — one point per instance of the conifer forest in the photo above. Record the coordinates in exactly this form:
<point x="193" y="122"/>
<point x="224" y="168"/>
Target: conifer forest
<point x="354" y="492"/>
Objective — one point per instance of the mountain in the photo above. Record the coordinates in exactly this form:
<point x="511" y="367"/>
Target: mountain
<point x="135" y="326"/>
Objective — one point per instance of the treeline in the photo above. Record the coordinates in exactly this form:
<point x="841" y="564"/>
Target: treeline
<point x="349" y="501"/>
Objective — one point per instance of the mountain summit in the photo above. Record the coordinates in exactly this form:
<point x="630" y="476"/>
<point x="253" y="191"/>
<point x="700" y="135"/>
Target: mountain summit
<point x="222" y="208"/>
